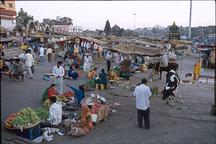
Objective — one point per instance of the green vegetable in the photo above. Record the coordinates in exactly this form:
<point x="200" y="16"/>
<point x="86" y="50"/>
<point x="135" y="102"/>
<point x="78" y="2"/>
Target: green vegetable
<point x="42" y="113"/>
<point x="26" y="116"/>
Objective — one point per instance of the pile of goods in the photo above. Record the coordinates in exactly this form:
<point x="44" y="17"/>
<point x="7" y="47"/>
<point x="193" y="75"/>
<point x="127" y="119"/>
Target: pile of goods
<point x="65" y="97"/>
<point x="42" y="113"/>
<point x="24" y="118"/>
<point x="10" y="119"/>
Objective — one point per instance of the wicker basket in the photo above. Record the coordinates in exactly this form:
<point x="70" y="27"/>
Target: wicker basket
<point x="24" y="127"/>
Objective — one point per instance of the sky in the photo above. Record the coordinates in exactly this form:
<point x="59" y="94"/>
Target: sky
<point x="93" y="14"/>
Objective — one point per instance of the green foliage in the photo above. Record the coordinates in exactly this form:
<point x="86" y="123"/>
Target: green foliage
<point x="22" y="19"/>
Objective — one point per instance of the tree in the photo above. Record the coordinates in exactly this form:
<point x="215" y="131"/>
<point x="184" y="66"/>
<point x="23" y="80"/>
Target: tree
<point x="22" y="19"/>
<point x="107" y="28"/>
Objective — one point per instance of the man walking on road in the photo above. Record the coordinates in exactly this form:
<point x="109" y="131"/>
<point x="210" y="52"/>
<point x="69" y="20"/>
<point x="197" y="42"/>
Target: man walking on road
<point x="142" y="94"/>
<point x="108" y="58"/>
<point x="58" y="72"/>
<point x="41" y="53"/>
<point x="29" y="60"/>
<point x="49" y="55"/>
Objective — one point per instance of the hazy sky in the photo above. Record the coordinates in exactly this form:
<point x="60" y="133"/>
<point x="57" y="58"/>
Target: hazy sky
<point x="93" y="14"/>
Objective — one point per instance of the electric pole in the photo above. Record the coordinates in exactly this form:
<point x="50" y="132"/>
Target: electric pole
<point x="189" y="29"/>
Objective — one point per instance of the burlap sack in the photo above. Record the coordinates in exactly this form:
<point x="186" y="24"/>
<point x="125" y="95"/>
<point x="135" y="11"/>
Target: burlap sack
<point x="77" y="132"/>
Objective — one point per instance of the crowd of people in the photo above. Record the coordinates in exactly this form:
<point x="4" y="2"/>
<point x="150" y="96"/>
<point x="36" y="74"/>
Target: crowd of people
<point x="83" y="56"/>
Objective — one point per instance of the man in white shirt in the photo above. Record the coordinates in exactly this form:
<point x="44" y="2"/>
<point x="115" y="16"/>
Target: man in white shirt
<point x="142" y="94"/>
<point x="164" y="60"/>
<point x="49" y="55"/>
<point x="58" y="72"/>
<point x="41" y="54"/>
<point x="55" y="112"/>
<point x="87" y="63"/>
<point x="108" y="58"/>
<point x="29" y="60"/>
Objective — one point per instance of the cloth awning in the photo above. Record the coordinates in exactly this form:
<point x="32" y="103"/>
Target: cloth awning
<point x="89" y="39"/>
<point x="138" y="50"/>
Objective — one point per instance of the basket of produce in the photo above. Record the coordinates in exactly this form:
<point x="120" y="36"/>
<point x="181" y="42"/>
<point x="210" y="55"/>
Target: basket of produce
<point x="42" y="113"/>
<point x="26" y="118"/>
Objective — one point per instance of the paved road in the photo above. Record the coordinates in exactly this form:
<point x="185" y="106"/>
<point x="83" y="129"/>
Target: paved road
<point x="188" y="122"/>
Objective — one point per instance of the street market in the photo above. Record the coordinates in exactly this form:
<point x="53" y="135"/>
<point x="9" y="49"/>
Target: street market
<point x="60" y="84"/>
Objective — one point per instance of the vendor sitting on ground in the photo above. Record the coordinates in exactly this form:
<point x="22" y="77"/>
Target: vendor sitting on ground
<point x="72" y="73"/>
<point x="113" y="76"/>
<point x="84" y="125"/>
<point x="79" y="93"/>
<point x="18" y="69"/>
<point x="103" y="79"/>
<point x="55" y="114"/>
<point x="92" y="74"/>
<point x="50" y="92"/>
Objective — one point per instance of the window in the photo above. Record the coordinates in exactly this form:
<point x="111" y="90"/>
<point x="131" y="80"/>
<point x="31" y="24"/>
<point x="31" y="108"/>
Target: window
<point x="10" y="5"/>
<point x="2" y="2"/>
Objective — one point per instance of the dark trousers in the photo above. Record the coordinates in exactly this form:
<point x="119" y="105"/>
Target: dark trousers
<point x="108" y="65"/>
<point x="143" y="114"/>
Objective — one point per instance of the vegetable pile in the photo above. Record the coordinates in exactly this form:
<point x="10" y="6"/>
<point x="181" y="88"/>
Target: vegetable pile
<point x="25" y="117"/>
<point x="42" y="113"/>
<point x="10" y="119"/>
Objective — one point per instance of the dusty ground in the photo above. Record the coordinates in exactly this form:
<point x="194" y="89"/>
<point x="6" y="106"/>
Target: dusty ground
<point x="189" y="122"/>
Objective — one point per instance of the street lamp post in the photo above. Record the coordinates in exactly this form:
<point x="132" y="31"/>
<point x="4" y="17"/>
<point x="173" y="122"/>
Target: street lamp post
<point x="189" y="28"/>
<point x="134" y="24"/>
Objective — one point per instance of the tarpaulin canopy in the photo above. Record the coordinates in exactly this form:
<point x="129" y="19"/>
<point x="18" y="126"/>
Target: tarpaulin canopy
<point x="139" y="42"/>
<point x="135" y="49"/>
<point x="89" y="39"/>
<point x="175" y="42"/>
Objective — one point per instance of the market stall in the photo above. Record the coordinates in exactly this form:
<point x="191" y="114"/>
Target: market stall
<point x="76" y="120"/>
<point x="208" y="55"/>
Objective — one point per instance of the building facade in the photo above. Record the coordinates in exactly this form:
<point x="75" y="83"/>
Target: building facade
<point x="174" y="33"/>
<point x="7" y="14"/>
<point x="77" y="29"/>
<point x="60" y="25"/>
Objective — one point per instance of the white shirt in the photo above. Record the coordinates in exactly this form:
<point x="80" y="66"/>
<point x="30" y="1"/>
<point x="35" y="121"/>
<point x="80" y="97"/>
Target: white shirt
<point x="55" y="114"/>
<point x="164" y="60"/>
<point x="41" y="51"/>
<point x="88" y="59"/>
<point x="172" y="55"/>
<point x="49" y="50"/>
<point x="58" y="71"/>
<point x="109" y="56"/>
<point x="142" y="94"/>
<point x="29" y="59"/>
